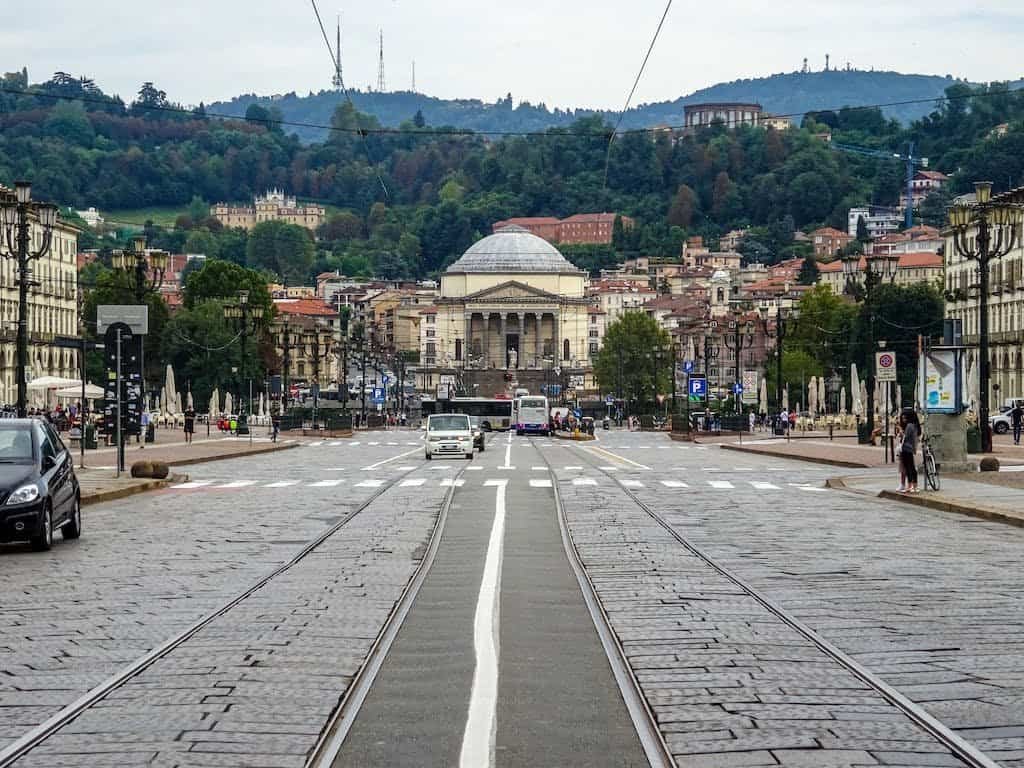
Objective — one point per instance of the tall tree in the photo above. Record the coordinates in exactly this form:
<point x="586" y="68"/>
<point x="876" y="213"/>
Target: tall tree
<point x="627" y="363"/>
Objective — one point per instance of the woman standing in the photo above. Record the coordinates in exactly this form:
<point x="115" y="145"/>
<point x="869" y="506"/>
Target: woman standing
<point x="908" y="448"/>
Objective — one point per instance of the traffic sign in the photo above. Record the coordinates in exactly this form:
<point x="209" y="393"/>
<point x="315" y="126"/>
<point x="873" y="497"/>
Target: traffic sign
<point x="885" y="366"/>
<point x="379" y="395"/>
<point x="609" y="400"/>
<point x="698" y="387"/>
<point x="688" y="366"/>
<point x="385" y="380"/>
<point x="737" y="389"/>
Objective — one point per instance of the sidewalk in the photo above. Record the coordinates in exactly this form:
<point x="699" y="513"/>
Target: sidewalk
<point x="99" y="479"/>
<point x="989" y="495"/>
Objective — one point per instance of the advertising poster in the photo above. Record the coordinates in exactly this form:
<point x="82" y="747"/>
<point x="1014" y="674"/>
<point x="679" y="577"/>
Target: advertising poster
<point x="941" y="381"/>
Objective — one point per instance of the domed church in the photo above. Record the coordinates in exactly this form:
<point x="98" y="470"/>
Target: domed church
<point x="512" y="302"/>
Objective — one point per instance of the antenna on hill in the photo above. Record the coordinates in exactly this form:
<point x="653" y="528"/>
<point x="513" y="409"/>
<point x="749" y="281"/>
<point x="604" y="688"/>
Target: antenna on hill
<point x="380" y="67"/>
<point x="805" y="69"/>
<point x="338" y="82"/>
<point x="826" y="62"/>
<point x="414" y="75"/>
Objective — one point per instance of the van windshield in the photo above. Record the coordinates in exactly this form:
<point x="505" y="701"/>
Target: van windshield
<point x="448" y="423"/>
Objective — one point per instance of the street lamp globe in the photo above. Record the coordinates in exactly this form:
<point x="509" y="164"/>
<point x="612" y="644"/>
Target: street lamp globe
<point x="983" y="192"/>
<point x="23" y="191"/>
<point x="139" y="244"/>
<point x="243" y="297"/>
<point x="48" y="215"/>
<point x="158" y="260"/>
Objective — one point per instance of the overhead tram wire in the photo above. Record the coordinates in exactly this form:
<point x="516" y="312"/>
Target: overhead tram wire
<point x="344" y="89"/>
<point x="554" y="132"/>
<point x="632" y="91"/>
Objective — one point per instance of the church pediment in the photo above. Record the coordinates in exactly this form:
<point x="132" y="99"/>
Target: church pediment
<point x="512" y="290"/>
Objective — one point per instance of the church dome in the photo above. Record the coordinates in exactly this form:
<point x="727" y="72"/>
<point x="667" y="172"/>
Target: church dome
<point x="512" y="249"/>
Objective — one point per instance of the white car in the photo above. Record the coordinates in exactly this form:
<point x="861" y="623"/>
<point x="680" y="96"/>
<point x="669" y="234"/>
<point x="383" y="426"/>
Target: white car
<point x="1001" y="423"/>
<point x="449" y="434"/>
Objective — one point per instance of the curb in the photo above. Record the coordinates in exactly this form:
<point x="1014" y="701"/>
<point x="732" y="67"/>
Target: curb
<point x="811" y="459"/>
<point x="131" y="490"/>
<point x="243" y="454"/>
<point x="919" y="500"/>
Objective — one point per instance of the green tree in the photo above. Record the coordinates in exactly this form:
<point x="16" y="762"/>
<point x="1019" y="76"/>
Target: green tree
<point x="862" y="230"/>
<point x="627" y="359"/>
<point x="683" y="208"/>
<point x="223" y="280"/>
<point x="285" y="249"/>
<point x="808" y="272"/>
<point x="200" y="241"/>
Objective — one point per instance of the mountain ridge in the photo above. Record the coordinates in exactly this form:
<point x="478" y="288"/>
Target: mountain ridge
<point x="787" y="94"/>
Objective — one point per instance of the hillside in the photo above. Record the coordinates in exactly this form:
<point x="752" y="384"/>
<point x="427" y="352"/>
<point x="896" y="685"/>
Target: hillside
<point x="784" y="94"/>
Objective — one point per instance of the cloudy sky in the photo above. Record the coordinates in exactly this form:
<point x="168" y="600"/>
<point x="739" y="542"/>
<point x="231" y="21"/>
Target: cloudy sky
<point x="581" y="53"/>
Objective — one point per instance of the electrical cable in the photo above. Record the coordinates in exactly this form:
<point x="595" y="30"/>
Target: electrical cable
<point x="636" y="82"/>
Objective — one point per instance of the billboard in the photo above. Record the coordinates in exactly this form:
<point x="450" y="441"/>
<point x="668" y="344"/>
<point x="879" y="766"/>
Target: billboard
<point x="941" y="382"/>
<point x="750" y="393"/>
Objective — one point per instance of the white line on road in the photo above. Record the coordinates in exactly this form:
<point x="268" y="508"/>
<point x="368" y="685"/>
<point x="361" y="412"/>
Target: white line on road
<point x="370" y="484"/>
<point x="478" y="738"/>
<point x="572" y="469"/>
<point x="414" y="482"/>
<point x="474" y="469"/>
<point x="632" y="483"/>
<point x="327" y="484"/>
<point x="584" y="481"/>
<point x="193" y="484"/>
<point x="355" y="443"/>
<point x="238" y="484"/>
<point x="538" y="469"/>
<point x="393" y="458"/>
<point x="609" y="469"/>
<point x="674" y="484"/>
<point x="543" y="482"/>
<point x="720" y="484"/>
<point x="282" y="484"/>
<point x="508" y="454"/>
<point x="450" y="482"/>
<point x="616" y="456"/>
<point x="764" y="486"/>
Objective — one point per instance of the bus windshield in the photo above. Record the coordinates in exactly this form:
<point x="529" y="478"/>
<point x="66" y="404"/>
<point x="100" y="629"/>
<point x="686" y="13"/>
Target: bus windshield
<point x="532" y="402"/>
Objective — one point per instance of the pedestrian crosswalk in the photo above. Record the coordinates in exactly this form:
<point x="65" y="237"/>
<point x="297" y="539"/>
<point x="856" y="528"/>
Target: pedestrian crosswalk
<point x="480" y="477"/>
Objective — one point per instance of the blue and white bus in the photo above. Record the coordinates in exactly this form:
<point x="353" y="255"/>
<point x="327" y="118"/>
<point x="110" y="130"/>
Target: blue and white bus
<point x="530" y="415"/>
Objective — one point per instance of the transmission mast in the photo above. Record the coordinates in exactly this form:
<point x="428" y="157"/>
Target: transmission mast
<point x="338" y="81"/>
<point x="414" y="75"/>
<point x="381" y="86"/>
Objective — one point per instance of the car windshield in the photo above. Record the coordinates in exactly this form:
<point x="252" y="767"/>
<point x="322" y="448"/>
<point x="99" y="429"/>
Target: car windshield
<point x="448" y="423"/>
<point x="474" y="421"/>
<point x="15" y="444"/>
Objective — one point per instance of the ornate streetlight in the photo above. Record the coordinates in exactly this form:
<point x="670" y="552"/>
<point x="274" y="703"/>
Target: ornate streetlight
<point x="16" y="213"/>
<point x="997" y="225"/>
<point x="246" y="318"/>
<point x="743" y="338"/>
<point x="145" y="271"/>
<point x="780" y="335"/>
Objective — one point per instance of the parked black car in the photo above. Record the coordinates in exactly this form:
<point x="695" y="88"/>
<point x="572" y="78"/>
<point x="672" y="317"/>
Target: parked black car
<point x="39" y="492"/>
<point x="478" y="432"/>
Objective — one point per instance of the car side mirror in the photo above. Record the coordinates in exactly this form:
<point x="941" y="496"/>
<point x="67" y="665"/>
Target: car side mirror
<point x="49" y="462"/>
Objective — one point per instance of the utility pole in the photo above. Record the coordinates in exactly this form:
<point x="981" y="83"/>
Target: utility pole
<point x="15" y="213"/>
<point x="381" y="86"/>
<point x="286" y="364"/>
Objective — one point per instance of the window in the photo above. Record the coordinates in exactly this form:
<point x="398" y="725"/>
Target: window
<point x="593" y="349"/>
<point x="431" y="333"/>
<point x="593" y="333"/>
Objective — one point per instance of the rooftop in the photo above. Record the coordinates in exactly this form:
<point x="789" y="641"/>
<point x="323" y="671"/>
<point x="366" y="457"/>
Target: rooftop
<point x="512" y="249"/>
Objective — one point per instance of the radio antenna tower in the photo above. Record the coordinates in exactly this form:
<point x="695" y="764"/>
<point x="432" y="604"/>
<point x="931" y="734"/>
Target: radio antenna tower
<point x="338" y="81"/>
<point x="414" y="75"/>
<point x="380" y="67"/>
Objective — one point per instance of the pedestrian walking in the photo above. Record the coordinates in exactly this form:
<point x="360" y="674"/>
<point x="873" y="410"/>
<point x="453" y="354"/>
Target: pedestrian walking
<point x="908" y="448"/>
<point x="190" y="424"/>
<point x="753" y="422"/>
<point x="1017" y="420"/>
<point x="899" y="441"/>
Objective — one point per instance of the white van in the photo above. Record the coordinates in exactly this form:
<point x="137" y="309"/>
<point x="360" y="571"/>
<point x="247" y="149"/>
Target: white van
<point x="449" y="434"/>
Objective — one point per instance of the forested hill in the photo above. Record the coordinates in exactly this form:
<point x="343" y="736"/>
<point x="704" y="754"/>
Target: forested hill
<point x="782" y="94"/>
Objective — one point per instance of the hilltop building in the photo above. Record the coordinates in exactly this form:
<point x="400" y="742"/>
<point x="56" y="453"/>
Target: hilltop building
<point x="581" y="229"/>
<point x="731" y="114"/>
<point x="273" y="206"/>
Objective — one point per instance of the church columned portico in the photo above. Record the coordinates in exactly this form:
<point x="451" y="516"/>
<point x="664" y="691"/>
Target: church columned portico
<point x="495" y="334"/>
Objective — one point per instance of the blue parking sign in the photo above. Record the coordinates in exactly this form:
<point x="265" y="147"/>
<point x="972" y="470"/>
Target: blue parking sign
<point x="688" y="366"/>
<point x="698" y="387"/>
<point x="379" y="395"/>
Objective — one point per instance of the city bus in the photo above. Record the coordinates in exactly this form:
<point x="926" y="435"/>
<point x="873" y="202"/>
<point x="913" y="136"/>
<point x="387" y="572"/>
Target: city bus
<point x="495" y="414"/>
<point x="531" y="415"/>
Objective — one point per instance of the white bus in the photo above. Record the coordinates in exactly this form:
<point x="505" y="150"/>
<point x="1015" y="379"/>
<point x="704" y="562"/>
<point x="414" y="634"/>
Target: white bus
<point x="495" y="414"/>
<point x="531" y="415"/>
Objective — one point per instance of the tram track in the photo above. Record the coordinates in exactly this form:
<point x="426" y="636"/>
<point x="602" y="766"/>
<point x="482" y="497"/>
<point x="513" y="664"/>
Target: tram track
<point x="959" y="747"/>
<point x="38" y="735"/>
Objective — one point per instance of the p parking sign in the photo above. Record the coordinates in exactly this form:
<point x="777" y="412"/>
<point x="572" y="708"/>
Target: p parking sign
<point x="698" y="387"/>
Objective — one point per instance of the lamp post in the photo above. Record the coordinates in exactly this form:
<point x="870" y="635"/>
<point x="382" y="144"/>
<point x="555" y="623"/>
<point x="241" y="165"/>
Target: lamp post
<point x="780" y="335"/>
<point x="246" y="318"/>
<point x="16" y="213"/>
<point x="997" y="224"/>
<point x="145" y="273"/>
<point x="315" y="348"/>
<point x="743" y="338"/>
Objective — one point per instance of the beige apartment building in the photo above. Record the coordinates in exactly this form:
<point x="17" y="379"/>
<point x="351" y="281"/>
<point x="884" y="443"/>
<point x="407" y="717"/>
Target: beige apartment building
<point x="52" y="311"/>
<point x="273" y="206"/>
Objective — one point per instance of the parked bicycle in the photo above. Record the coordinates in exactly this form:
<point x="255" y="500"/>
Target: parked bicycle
<point x="931" y="467"/>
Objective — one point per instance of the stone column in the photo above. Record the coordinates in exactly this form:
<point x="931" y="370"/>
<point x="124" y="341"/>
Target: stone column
<point x="487" y="340"/>
<point x="502" y="340"/>
<point x="467" y="339"/>
<point x="538" y="343"/>
<point x="522" y="336"/>
<point x="557" y="328"/>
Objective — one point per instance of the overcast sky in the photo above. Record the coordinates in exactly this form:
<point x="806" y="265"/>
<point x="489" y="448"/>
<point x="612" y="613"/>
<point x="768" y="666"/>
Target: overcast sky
<point x="581" y="53"/>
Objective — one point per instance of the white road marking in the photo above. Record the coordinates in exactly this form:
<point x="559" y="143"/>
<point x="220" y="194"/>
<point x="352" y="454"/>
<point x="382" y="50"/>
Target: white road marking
<point x="393" y="458"/>
<point x="192" y="484"/>
<point x="373" y="443"/>
<point x="316" y="444"/>
<point x="370" y="484"/>
<point x="508" y="454"/>
<point x="282" y="484"/>
<point x="543" y="482"/>
<point x="335" y="469"/>
<point x="414" y="482"/>
<point x="404" y="469"/>
<point x="623" y="459"/>
<point x="448" y="482"/>
<point x="474" y="469"/>
<point x="720" y="484"/>
<point x="572" y="469"/>
<point x="238" y="484"/>
<point x="712" y="469"/>
<point x="442" y="466"/>
<point x="764" y="486"/>
<point x="584" y="481"/>
<point x="632" y="483"/>
<point x="609" y="469"/>
<point x="812" y="488"/>
<point x="674" y="484"/>
<point x="327" y="484"/>
<point x="539" y="469"/>
<point x="336" y="444"/>
<point x="478" y="738"/>
<point x="392" y="443"/>
<point x="355" y="443"/>
<point x="411" y="443"/>
<point x="742" y="469"/>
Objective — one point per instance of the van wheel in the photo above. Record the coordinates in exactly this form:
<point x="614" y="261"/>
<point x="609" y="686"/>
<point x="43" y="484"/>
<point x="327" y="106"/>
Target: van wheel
<point x="430" y="457"/>
<point x="469" y="455"/>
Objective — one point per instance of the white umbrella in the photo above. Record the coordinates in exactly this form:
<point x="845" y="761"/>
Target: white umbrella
<point x="812" y="397"/>
<point x="822" y="401"/>
<point x="228" y="404"/>
<point x="162" y="402"/>
<point x="92" y="392"/>
<point x="842" y="401"/>
<point x="762" y="406"/>
<point x="177" y="402"/>
<point x="898" y="402"/>
<point x="172" y="390"/>
<point x="863" y="396"/>
<point x="191" y="405"/>
<point x="259" y="407"/>
<point x="858" y="404"/>
<point x="785" y="398"/>
<point x="214" y="408"/>
<point x="53" y="382"/>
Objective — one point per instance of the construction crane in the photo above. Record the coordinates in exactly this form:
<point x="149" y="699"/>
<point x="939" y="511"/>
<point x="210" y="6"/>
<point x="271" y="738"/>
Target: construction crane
<point x="912" y="162"/>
